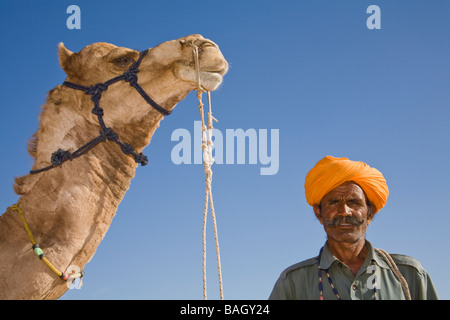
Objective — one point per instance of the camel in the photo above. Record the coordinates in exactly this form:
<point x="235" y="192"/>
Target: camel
<point x="69" y="207"/>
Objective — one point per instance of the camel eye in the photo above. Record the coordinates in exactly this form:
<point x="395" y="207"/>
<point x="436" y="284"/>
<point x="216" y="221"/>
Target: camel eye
<point x="123" y="61"/>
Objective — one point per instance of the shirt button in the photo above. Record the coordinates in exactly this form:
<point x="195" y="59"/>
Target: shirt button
<point x="354" y="287"/>
<point x="340" y="264"/>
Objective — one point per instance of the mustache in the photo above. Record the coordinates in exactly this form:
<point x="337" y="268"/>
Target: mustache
<point x="343" y="220"/>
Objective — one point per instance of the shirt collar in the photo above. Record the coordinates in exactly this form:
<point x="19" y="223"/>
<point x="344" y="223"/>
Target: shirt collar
<point x="373" y="256"/>
<point x="327" y="258"/>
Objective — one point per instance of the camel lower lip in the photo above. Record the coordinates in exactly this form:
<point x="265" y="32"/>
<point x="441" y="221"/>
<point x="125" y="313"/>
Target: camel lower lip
<point x="210" y="76"/>
<point x="213" y="73"/>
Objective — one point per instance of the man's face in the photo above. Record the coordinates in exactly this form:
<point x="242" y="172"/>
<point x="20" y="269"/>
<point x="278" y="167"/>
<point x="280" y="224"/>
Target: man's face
<point x="344" y="213"/>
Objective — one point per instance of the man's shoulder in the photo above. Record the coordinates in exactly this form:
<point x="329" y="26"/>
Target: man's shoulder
<point x="299" y="266"/>
<point x="407" y="261"/>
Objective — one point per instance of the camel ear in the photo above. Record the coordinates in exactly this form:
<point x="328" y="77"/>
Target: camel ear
<point x="65" y="58"/>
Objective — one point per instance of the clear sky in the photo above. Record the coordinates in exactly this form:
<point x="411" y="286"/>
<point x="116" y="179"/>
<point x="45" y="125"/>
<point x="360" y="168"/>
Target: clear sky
<point x="310" y="70"/>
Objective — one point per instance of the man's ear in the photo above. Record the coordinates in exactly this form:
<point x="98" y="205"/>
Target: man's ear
<point x="371" y="210"/>
<point x="318" y="212"/>
<point x="67" y="59"/>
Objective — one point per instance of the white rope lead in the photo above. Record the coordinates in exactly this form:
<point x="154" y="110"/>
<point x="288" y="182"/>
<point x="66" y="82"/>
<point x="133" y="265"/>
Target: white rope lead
<point x="208" y="160"/>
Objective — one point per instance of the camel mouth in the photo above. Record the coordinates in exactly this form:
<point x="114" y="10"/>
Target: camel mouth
<point x="212" y="77"/>
<point x="210" y="80"/>
<point x="221" y="70"/>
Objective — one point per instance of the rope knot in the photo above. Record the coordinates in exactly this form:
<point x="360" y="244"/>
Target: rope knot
<point x="131" y="75"/>
<point x="109" y="134"/>
<point x="141" y="158"/>
<point x="59" y="156"/>
<point x="96" y="91"/>
<point x="97" y="111"/>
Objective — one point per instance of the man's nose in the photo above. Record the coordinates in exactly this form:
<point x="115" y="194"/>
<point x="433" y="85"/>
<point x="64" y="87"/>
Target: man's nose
<point x="343" y="209"/>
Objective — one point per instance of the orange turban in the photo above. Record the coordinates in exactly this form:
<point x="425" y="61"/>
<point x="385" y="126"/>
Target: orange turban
<point x="331" y="172"/>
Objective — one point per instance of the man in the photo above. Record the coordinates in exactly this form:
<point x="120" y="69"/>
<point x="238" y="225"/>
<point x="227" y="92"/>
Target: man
<point x="345" y="195"/>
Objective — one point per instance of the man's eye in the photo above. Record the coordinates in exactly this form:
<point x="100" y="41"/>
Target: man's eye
<point x="123" y="61"/>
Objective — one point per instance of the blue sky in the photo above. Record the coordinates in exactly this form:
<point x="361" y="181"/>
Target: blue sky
<point x="311" y="70"/>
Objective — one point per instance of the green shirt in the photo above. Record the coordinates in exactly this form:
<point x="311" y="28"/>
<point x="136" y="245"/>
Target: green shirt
<point x="301" y="280"/>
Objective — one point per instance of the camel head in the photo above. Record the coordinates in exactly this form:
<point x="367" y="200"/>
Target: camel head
<point x="101" y="61"/>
